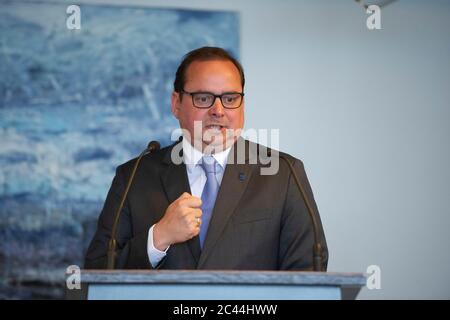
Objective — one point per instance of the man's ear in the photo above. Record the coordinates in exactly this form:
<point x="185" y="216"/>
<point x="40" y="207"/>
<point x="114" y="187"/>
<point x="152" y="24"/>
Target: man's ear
<point x="176" y="104"/>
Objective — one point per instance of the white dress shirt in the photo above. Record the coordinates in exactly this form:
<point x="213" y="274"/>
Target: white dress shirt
<point x="197" y="181"/>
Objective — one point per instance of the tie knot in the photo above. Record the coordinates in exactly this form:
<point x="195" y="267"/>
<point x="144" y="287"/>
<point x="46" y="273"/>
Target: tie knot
<point x="208" y="164"/>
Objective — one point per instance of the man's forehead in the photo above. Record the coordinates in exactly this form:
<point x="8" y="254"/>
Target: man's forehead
<point x="211" y="65"/>
<point x="214" y="73"/>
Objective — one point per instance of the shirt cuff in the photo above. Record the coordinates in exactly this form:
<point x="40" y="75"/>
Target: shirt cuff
<point x="154" y="255"/>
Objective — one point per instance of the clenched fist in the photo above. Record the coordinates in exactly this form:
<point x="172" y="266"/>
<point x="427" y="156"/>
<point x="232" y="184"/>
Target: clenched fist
<point x="180" y="222"/>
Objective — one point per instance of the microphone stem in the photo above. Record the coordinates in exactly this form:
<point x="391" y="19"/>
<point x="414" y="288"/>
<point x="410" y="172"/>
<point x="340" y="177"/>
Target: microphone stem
<point x="111" y="256"/>
<point x="317" y="248"/>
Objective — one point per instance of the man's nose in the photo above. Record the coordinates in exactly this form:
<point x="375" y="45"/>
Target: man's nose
<point x="217" y="108"/>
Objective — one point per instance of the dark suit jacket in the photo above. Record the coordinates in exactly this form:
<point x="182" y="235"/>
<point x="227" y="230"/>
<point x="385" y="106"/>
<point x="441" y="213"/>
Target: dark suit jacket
<point x="259" y="222"/>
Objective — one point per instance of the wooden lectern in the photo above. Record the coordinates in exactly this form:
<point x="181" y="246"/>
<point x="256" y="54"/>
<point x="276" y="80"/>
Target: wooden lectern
<point x="216" y="285"/>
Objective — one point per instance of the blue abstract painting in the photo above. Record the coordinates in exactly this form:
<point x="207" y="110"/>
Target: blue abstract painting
<point x="74" y="104"/>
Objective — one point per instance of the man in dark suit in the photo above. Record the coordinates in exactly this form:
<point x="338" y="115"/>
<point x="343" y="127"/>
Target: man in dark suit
<point x="203" y="203"/>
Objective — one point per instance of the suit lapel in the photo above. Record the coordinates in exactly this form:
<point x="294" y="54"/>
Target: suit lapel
<point x="175" y="181"/>
<point x="230" y="192"/>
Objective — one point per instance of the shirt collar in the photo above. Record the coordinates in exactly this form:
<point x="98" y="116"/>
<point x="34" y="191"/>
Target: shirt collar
<point x="192" y="156"/>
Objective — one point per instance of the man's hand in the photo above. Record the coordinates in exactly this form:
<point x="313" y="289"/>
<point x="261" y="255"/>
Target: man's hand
<point x="180" y="222"/>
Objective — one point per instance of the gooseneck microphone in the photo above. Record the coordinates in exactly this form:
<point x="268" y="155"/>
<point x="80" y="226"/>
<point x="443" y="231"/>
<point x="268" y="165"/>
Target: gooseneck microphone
<point x="317" y="247"/>
<point x="152" y="146"/>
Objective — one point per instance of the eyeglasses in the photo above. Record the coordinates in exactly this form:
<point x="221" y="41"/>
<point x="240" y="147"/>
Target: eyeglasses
<point x="205" y="100"/>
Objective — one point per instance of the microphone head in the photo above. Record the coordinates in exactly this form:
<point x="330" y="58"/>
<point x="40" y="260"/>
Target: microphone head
<point x="153" y="146"/>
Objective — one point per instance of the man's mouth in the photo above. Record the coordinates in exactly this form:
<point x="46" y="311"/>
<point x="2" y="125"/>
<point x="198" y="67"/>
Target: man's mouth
<point x="214" y="127"/>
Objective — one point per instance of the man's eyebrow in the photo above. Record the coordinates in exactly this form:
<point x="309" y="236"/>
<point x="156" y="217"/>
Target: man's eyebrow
<point x="223" y="92"/>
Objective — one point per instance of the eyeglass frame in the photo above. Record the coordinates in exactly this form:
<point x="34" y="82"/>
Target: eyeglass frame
<point x="242" y="94"/>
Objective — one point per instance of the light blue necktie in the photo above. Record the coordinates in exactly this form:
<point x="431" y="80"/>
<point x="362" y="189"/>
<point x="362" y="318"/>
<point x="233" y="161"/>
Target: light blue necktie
<point x="209" y="194"/>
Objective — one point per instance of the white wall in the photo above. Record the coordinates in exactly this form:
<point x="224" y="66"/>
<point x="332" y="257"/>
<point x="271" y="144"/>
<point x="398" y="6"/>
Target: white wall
<point x="368" y="113"/>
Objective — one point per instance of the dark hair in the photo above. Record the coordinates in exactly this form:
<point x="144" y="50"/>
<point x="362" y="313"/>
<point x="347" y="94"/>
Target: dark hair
<point x="204" y="54"/>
